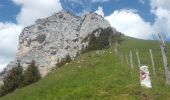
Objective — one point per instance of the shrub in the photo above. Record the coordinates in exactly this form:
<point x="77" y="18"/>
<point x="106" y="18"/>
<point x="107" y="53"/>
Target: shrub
<point x="68" y="59"/>
<point x="59" y="64"/>
<point x="117" y="39"/>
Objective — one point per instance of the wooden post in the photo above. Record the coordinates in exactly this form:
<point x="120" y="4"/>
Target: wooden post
<point x="51" y="63"/>
<point x="127" y="60"/>
<point x="137" y="55"/>
<point x="153" y="64"/>
<point x="116" y="44"/>
<point x="131" y="60"/>
<point x="164" y="58"/>
<point x="121" y="57"/>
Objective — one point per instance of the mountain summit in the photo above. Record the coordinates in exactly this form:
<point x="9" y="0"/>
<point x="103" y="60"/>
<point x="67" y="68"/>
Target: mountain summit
<point x="51" y="39"/>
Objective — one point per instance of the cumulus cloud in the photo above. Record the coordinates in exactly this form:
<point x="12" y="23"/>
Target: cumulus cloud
<point x="34" y="9"/>
<point x="161" y="9"/>
<point x="162" y="21"/>
<point x="99" y="11"/>
<point x="130" y="23"/>
<point x="164" y="4"/>
<point x="9" y="41"/>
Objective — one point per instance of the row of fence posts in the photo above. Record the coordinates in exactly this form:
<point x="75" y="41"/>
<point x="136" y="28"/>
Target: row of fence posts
<point x="129" y="60"/>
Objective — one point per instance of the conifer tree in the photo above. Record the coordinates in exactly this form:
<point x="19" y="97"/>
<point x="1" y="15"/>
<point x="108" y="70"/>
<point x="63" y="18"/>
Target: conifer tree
<point x="31" y="74"/>
<point x="12" y="80"/>
<point x="92" y="42"/>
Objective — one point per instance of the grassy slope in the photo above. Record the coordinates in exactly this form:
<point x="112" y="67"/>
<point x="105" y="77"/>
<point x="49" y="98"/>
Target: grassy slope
<point x="99" y="76"/>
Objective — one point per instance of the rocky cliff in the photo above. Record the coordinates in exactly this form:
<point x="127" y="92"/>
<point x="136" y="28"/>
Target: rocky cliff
<point x="51" y="39"/>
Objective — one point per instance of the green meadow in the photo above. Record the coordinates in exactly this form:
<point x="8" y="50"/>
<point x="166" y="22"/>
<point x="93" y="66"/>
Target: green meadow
<point x="101" y="75"/>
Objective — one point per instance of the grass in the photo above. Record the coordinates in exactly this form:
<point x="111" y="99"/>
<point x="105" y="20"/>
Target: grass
<point x="100" y="75"/>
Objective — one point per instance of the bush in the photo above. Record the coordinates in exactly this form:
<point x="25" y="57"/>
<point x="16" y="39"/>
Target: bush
<point x="12" y="80"/>
<point x="84" y="49"/>
<point x="116" y="39"/>
<point x="31" y="74"/>
<point x="77" y="54"/>
<point x="59" y="64"/>
<point x="68" y="59"/>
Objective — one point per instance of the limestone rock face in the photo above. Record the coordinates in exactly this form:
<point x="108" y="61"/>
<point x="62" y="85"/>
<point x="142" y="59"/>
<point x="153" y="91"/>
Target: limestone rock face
<point x="51" y="39"/>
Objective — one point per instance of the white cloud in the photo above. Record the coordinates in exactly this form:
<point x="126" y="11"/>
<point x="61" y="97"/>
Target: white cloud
<point x="99" y="11"/>
<point x="162" y="21"/>
<point x="9" y="36"/>
<point x="9" y="33"/>
<point x="161" y="9"/>
<point x="34" y="9"/>
<point x="2" y="66"/>
<point x="164" y="4"/>
<point x="130" y="23"/>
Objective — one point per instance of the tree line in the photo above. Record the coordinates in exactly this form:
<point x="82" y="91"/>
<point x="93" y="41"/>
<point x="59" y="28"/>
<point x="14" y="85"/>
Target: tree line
<point x="17" y="78"/>
<point x="105" y="38"/>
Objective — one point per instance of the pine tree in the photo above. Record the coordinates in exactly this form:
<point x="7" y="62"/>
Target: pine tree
<point x="31" y="74"/>
<point x="92" y="42"/>
<point x="12" y="80"/>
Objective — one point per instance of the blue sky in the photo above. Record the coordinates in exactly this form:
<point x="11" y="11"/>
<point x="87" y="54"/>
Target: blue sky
<point x="110" y="6"/>
<point x="9" y="10"/>
<point x="136" y="18"/>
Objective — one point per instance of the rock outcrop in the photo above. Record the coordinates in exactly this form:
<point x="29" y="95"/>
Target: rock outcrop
<point x="53" y="38"/>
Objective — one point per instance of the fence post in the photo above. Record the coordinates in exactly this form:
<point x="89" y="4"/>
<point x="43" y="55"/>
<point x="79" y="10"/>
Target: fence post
<point x="131" y="59"/>
<point x="121" y="57"/>
<point x="137" y="55"/>
<point x="153" y="64"/>
<point x="116" y="44"/>
<point x="127" y="60"/>
<point x="163" y="51"/>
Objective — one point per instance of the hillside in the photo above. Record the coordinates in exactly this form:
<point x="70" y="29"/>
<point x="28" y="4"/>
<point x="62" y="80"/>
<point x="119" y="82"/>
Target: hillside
<point x="100" y="75"/>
